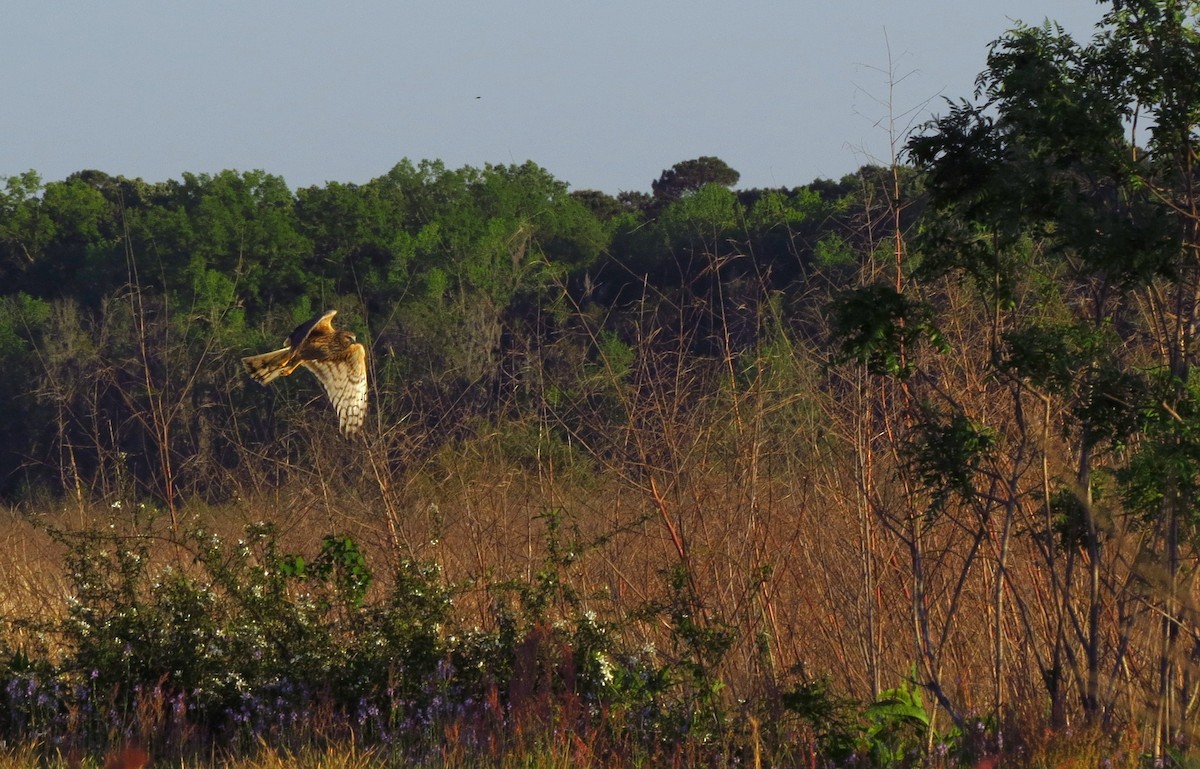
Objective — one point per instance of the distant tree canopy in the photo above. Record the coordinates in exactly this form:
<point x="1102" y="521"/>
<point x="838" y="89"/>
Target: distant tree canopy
<point x="690" y="175"/>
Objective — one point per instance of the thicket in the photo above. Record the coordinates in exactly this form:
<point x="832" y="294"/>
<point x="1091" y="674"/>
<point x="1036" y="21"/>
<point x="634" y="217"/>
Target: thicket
<point x="901" y="468"/>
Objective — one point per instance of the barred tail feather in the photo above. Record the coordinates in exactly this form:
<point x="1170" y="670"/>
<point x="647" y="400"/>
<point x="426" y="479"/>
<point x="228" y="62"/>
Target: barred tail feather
<point x="269" y="366"/>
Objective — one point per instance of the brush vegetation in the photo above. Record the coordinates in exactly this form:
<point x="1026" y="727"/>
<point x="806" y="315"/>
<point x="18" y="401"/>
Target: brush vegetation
<point x="901" y="469"/>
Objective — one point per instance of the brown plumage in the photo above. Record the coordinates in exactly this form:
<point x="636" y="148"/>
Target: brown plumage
<point x="333" y="355"/>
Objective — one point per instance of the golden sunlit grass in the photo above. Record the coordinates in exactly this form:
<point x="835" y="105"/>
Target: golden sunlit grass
<point x="771" y="558"/>
<point x="342" y="756"/>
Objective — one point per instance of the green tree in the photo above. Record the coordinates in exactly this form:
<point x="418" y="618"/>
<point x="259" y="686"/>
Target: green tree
<point x="24" y="433"/>
<point x="240" y="225"/>
<point x="23" y="230"/>
<point x="58" y="239"/>
<point x="361" y="238"/>
<point x="690" y="175"/>
<point x="1066" y="192"/>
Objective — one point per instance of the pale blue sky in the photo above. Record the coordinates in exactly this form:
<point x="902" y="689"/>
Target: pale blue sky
<point x="604" y="95"/>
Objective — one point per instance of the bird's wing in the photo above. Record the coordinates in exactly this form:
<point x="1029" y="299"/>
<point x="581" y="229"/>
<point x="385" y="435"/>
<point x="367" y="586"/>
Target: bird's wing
<point x="319" y="324"/>
<point x="345" y="382"/>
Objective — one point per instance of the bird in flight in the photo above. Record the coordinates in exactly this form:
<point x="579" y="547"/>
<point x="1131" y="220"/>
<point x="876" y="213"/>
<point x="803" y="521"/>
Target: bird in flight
<point x="333" y="355"/>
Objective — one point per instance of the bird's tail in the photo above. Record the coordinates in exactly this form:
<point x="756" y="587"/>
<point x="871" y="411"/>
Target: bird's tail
<point x="269" y="366"/>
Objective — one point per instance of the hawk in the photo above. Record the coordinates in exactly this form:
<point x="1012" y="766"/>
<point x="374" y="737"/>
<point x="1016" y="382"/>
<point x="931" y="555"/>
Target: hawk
<point x="332" y="355"/>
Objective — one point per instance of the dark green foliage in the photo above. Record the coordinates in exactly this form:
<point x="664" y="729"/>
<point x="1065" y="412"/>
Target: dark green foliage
<point x="1070" y="519"/>
<point x="1048" y="357"/>
<point x="834" y="720"/>
<point x="897" y="727"/>
<point x="946" y="454"/>
<point x="339" y="562"/>
<point x="240" y="226"/>
<point x="1080" y="364"/>
<point x="691" y="175"/>
<point x="1056" y="164"/>
<point x="22" y="319"/>
<point x="882" y="328"/>
<point x="891" y="731"/>
<point x="252" y="623"/>
<point x="1165" y="467"/>
<point x="1109" y="408"/>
